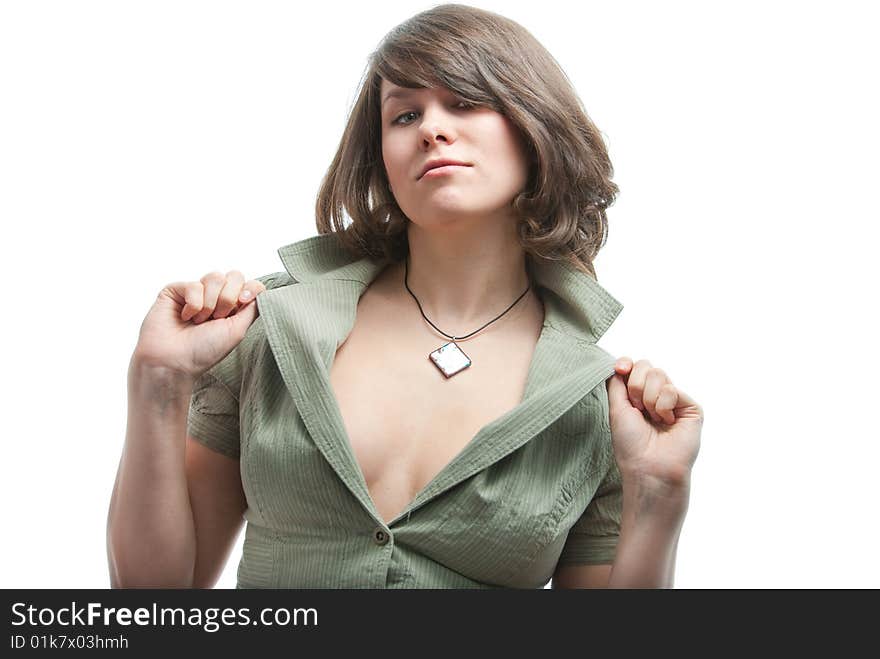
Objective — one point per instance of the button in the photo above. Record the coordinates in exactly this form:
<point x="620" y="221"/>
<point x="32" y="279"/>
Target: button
<point x="380" y="537"/>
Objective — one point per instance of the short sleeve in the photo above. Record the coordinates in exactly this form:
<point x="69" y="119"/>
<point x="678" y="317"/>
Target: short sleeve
<point x="213" y="416"/>
<point x="593" y="538"/>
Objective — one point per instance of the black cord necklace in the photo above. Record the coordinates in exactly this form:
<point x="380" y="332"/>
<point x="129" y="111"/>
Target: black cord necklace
<point x="449" y="358"/>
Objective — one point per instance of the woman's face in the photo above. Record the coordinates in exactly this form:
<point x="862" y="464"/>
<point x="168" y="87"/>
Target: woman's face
<point x="421" y="125"/>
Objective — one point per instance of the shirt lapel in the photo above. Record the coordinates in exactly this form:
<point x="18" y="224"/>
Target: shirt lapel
<point x="306" y="322"/>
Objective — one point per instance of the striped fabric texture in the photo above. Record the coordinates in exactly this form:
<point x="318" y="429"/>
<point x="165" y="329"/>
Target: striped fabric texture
<point x="536" y="488"/>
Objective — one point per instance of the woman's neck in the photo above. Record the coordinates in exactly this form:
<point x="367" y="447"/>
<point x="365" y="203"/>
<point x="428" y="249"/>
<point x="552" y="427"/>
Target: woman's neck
<point x="464" y="279"/>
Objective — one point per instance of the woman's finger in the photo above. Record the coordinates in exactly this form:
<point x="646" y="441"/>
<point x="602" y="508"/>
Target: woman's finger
<point x="227" y="300"/>
<point x="193" y="299"/>
<point x="654" y="381"/>
<point x="636" y="383"/>
<point x="213" y="283"/>
<point x="666" y="402"/>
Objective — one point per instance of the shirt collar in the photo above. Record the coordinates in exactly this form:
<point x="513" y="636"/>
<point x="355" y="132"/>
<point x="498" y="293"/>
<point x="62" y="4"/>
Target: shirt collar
<point x="578" y="306"/>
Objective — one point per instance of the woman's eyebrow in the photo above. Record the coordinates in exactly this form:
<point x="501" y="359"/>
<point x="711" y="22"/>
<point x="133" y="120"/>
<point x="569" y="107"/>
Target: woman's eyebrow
<point x="407" y="92"/>
<point x="398" y="93"/>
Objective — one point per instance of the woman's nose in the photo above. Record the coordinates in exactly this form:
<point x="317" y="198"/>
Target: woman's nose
<point x="434" y="134"/>
<point x="434" y="130"/>
<point x="436" y="126"/>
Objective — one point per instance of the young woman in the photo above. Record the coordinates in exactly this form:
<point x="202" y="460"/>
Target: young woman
<point x="417" y="400"/>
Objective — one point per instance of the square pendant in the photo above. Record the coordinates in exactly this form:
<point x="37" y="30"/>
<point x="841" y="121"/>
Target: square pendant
<point x="450" y="359"/>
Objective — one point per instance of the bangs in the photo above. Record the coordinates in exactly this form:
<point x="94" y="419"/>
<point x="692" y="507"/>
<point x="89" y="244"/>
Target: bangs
<point x="433" y="58"/>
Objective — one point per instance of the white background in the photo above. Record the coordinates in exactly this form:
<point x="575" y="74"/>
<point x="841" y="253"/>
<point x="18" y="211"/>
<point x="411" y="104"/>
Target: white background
<point x="143" y="143"/>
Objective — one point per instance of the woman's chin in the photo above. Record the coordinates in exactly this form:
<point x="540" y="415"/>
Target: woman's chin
<point x="448" y="215"/>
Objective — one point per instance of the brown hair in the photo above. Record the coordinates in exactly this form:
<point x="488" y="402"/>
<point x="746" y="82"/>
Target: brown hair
<point x="489" y="60"/>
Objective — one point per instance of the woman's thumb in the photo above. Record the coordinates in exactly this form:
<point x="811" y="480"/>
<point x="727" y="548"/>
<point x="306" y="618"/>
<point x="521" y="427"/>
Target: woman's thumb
<point x="617" y="394"/>
<point x="244" y="317"/>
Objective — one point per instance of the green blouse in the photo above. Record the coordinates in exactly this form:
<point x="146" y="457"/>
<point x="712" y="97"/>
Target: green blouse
<point x="535" y="488"/>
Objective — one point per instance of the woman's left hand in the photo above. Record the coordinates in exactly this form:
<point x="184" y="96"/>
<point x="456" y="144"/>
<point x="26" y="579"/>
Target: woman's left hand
<point x="662" y="447"/>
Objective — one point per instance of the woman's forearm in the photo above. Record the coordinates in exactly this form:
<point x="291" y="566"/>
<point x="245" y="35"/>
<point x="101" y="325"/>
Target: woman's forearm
<point x="150" y="531"/>
<point x="650" y="527"/>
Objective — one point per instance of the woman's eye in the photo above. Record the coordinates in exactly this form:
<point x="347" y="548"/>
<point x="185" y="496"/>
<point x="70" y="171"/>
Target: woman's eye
<point x="397" y="121"/>
<point x="464" y="105"/>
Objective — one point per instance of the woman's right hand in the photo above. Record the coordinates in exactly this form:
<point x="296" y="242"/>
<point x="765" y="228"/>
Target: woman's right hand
<point x="193" y="325"/>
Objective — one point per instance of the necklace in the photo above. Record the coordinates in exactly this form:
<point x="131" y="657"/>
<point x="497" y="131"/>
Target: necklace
<point x="449" y="358"/>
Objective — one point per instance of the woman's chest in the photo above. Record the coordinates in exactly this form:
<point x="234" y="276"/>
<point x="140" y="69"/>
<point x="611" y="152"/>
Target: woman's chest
<point x="404" y="419"/>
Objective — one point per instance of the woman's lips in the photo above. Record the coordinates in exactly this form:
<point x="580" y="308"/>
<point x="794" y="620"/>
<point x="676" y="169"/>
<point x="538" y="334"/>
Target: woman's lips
<point x="442" y="171"/>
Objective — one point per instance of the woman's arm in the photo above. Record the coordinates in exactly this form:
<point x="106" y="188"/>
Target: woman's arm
<point x="655" y="432"/>
<point x="151" y="538"/>
<point x="650" y="527"/>
<point x="651" y="521"/>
